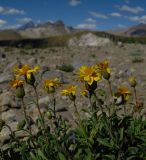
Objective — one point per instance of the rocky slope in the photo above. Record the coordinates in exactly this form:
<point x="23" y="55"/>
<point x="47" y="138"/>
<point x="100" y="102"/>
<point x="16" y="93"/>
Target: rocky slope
<point x="137" y="30"/>
<point x="45" y="30"/>
<point x="121" y="61"/>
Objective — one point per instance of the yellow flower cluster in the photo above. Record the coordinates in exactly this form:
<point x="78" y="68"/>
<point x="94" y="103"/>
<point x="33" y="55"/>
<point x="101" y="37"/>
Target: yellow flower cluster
<point x="103" y="67"/>
<point x="16" y="83"/>
<point x="51" y="84"/>
<point x="89" y="74"/>
<point x="26" y="71"/>
<point x="124" y="93"/>
<point x="70" y="91"/>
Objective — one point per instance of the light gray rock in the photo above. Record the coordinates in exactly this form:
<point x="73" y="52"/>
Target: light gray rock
<point x="8" y="100"/>
<point x="5" y="77"/>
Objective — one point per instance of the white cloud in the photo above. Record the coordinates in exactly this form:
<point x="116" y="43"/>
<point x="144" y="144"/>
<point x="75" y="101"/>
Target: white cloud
<point x="139" y="19"/>
<point x="89" y="23"/>
<point x="130" y="9"/>
<point x="115" y="14"/>
<point x="74" y="2"/>
<point x="98" y="15"/>
<point x="121" y="26"/>
<point x="86" y="26"/>
<point x="2" y="22"/>
<point x="10" y="11"/>
<point x="90" y="20"/>
<point x="24" y="20"/>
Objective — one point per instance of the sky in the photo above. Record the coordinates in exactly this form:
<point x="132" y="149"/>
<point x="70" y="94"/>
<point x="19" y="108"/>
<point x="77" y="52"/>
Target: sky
<point x="83" y="14"/>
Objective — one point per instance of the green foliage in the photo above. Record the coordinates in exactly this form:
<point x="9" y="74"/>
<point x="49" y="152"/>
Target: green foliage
<point x="65" y="68"/>
<point x="110" y="132"/>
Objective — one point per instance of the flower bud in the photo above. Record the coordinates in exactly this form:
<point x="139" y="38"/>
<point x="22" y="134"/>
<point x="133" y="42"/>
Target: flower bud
<point x="91" y="87"/>
<point x="106" y="75"/>
<point x="21" y="124"/>
<point x="30" y="80"/>
<point x="2" y="124"/>
<point x="20" y="93"/>
<point x="50" y="89"/>
<point x="132" y="81"/>
<point x="72" y="97"/>
<point x="49" y="115"/>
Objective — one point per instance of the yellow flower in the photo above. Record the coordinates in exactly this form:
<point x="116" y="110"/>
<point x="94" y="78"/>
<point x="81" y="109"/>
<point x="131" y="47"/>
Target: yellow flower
<point x="26" y="71"/>
<point x="124" y="92"/>
<point x="103" y="66"/>
<point x="89" y="74"/>
<point x="16" y="83"/>
<point x="70" y="91"/>
<point x="51" y="84"/>
<point x="84" y="92"/>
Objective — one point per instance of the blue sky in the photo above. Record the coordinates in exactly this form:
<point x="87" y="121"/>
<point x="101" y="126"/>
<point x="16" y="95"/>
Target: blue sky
<point x="90" y="14"/>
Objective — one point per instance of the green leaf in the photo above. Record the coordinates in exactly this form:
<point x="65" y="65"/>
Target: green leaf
<point x="104" y="142"/>
<point x="41" y="154"/>
<point x="121" y="134"/>
<point x="110" y="157"/>
<point x="61" y="156"/>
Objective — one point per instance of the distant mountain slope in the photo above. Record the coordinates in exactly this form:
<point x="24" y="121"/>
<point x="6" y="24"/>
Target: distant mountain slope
<point x="138" y="30"/>
<point x="9" y="35"/>
<point x="28" y="25"/>
<point x="45" y="30"/>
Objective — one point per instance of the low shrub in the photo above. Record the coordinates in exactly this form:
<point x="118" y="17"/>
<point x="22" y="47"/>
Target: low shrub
<point x="65" y="67"/>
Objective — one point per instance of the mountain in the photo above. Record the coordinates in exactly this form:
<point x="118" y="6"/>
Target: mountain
<point x="136" y="31"/>
<point x="28" y="25"/>
<point x="45" y="30"/>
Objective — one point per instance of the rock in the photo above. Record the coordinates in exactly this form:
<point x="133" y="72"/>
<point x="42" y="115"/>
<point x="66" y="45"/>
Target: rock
<point x="89" y="39"/>
<point x="120" y="44"/>
<point x="5" y="133"/>
<point x="32" y="61"/>
<point x="8" y="100"/>
<point x="10" y="116"/>
<point x="54" y="74"/>
<point x="11" y="65"/>
<point x="5" y="77"/>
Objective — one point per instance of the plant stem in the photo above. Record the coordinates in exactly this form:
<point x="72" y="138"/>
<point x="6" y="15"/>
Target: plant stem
<point x="38" y="107"/>
<point x="26" y="118"/>
<point x="54" y="106"/>
<point x="12" y="133"/>
<point x="76" y="112"/>
<point x="135" y="94"/>
<point x="110" y="88"/>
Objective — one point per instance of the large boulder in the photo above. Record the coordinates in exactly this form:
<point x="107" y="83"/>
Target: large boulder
<point x="89" y="39"/>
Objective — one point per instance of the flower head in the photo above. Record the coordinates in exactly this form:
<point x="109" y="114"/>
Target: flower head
<point x="104" y="69"/>
<point x="16" y="83"/>
<point x="70" y="91"/>
<point x="123" y="94"/>
<point x="27" y="72"/>
<point x="88" y="74"/>
<point x="84" y="92"/>
<point x="104" y="66"/>
<point x="51" y="84"/>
